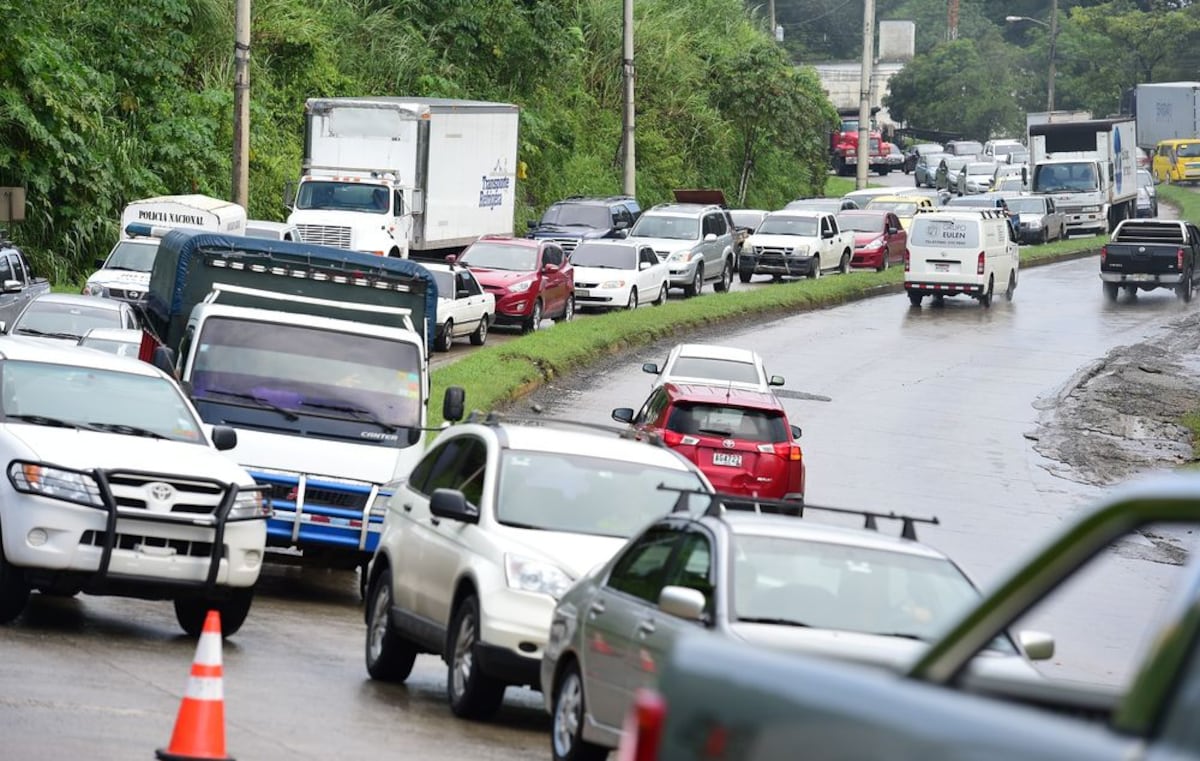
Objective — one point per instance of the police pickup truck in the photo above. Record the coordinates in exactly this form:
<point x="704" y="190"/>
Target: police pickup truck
<point x="1144" y="254"/>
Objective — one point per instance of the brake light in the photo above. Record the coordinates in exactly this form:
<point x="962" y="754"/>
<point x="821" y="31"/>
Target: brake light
<point x="643" y="727"/>
<point x="787" y="451"/>
<point x="675" y="439"/>
<point x="1103" y="254"/>
<point x="906" y="261"/>
<point x="979" y="266"/>
<point x="1179" y="259"/>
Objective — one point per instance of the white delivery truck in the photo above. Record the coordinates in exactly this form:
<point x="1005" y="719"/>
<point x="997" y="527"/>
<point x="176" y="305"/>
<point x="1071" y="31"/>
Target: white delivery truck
<point x="125" y="273"/>
<point x="1089" y="168"/>
<point x="1167" y="111"/>
<point x="394" y="176"/>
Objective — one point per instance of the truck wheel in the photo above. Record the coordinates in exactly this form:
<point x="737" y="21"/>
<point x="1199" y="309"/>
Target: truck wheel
<point x="473" y="694"/>
<point x="190" y="612"/>
<point x="915" y="298"/>
<point x="1011" y="290"/>
<point x="985" y="298"/>
<point x="722" y="285"/>
<point x="844" y="264"/>
<point x="745" y="275"/>
<point x="815" y="272"/>
<point x="14" y="592"/>
<point x="445" y="339"/>
<point x="534" y="322"/>
<point x="566" y="735"/>
<point x="480" y="334"/>
<point x="697" y="284"/>
<point x="1110" y="291"/>
<point x="1184" y="289"/>
<point x="390" y="657"/>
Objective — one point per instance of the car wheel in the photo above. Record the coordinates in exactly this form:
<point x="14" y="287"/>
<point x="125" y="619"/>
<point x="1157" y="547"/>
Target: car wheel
<point x="534" y="322"/>
<point x="633" y="300"/>
<point x="844" y="264"/>
<point x="1131" y="291"/>
<point x="1111" y="290"/>
<point x="815" y="271"/>
<point x="1011" y="290"/>
<point x="389" y="657"/>
<point x="445" y="339"/>
<point x="884" y="261"/>
<point x="190" y="612"/>
<point x="662" y="296"/>
<point x="722" y="285"/>
<point x="566" y="734"/>
<point x="14" y="592"/>
<point x="985" y="298"/>
<point x="480" y="335"/>
<point x="1045" y="236"/>
<point x="568" y="313"/>
<point x="915" y="298"/>
<point x="1184" y="289"/>
<point x="697" y="284"/>
<point x="473" y="694"/>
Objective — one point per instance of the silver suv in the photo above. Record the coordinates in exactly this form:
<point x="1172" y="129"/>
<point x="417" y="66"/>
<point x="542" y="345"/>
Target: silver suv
<point x="695" y="240"/>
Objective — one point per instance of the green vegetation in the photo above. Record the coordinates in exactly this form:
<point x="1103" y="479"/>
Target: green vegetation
<point x="1191" y="421"/>
<point x="102" y="102"/>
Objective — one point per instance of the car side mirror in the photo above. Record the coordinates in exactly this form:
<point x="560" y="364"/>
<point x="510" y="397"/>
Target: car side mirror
<point x="1039" y="646"/>
<point x="453" y="403"/>
<point x="12" y="286"/>
<point x="550" y="269"/>
<point x="1024" y="176"/>
<point x="164" y="359"/>
<point x="531" y="224"/>
<point x="621" y="224"/>
<point x="644" y="265"/>
<point x="224" y="438"/>
<point x="3" y="327"/>
<point x="98" y="262"/>
<point x="451" y="259"/>
<point x="710" y="237"/>
<point x="452" y="504"/>
<point x="775" y="380"/>
<point x="827" y="234"/>
<point x="682" y="602"/>
<point x="796" y="432"/>
<point x="623" y="414"/>
<point x="893" y="230"/>
<point x="650" y="367"/>
<point x="622" y="233"/>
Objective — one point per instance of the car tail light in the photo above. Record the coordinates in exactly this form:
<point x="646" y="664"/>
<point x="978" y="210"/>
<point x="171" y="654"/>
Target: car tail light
<point x="979" y="266"/>
<point x="674" y="439"/>
<point x="1103" y="255"/>
<point x="907" y="263"/>
<point x="643" y="727"/>
<point x="1179" y="259"/>
<point x="785" y="450"/>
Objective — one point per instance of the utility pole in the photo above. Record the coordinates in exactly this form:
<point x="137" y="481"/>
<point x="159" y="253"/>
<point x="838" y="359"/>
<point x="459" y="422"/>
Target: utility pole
<point x="1053" y="37"/>
<point x="771" y="16"/>
<point x="628" y="152"/>
<point x="864" y="95"/>
<point x="952" y="20"/>
<point x="241" y="103"/>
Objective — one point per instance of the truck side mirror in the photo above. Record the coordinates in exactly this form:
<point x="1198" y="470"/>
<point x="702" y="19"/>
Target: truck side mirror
<point x="453" y="403"/>
<point x="164" y="359"/>
<point x="224" y="438"/>
<point x="1024" y="176"/>
<point x="11" y="286"/>
<point x="289" y="194"/>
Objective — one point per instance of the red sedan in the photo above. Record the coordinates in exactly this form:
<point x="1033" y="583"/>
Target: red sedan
<point x="879" y="239"/>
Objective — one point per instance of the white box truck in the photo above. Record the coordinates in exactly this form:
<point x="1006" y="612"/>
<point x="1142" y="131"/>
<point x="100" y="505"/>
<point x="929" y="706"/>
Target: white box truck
<point x="125" y="273"/>
<point x="1167" y="111"/>
<point x="394" y="176"/>
<point x="1089" y="168"/>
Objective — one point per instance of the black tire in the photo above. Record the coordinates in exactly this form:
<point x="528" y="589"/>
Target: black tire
<point x="1011" y="290"/>
<point x="389" y="656"/>
<point x="14" y="592"/>
<point x="472" y="694"/>
<point x="445" y="339"/>
<point x="190" y="612"/>
<point x="697" y="285"/>
<point x="632" y="304"/>
<point x="534" y="321"/>
<point x="1111" y="290"/>
<point x="745" y="275"/>
<point x="844" y="264"/>
<point x="815" y="272"/>
<point x="568" y="312"/>
<point x="567" y="719"/>
<point x="1131" y="291"/>
<point x="1186" y="287"/>
<point x="884" y="262"/>
<point x="662" y="296"/>
<point x="915" y="298"/>
<point x="723" y="285"/>
<point x="985" y="298"/>
<point x="479" y="337"/>
<point x="1045" y="235"/>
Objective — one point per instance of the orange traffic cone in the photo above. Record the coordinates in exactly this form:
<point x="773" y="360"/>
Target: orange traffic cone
<point x="200" y="727"/>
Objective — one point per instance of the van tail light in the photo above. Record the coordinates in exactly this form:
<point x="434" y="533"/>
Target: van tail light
<point x="907" y="261"/>
<point x="1103" y="255"/>
<point x="1179" y="260"/>
<point x="979" y="266"/>
<point x="642" y="733"/>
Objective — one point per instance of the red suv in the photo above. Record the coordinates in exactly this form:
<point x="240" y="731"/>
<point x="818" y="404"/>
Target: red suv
<point x="530" y="279"/>
<point x="740" y="439"/>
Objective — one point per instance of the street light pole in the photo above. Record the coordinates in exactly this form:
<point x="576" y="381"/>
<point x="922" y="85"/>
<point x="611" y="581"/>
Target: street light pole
<point x="630" y="174"/>
<point x="240" y="189"/>
<point x="864" y="95"/>
<point x="1053" y="37"/>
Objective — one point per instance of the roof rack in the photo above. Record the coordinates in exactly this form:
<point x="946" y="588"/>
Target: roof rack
<point x="721" y="502"/>
<point x="495" y="418"/>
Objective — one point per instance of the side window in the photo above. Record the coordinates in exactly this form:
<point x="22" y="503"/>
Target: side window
<point x="651" y="408"/>
<point x="470" y="283"/>
<point x="649" y="256"/>
<point x="6" y="270"/>
<point x="833" y="225"/>
<point x="18" y="268"/>
<point x="622" y="215"/>
<point x="460" y="468"/>
<point x="692" y="567"/>
<point x="553" y="255"/>
<point x="399" y="203"/>
<point x="642" y="569"/>
<point x="719" y="226"/>
<point x="460" y="286"/>
<point x="825" y="225"/>
<point x="430" y="472"/>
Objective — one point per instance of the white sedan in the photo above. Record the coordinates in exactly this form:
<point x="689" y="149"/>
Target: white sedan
<point x="463" y="307"/>
<point x="616" y="274"/>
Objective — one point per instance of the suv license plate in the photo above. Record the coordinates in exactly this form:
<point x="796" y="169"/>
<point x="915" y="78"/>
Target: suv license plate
<point x="941" y="266"/>
<point x="723" y="458"/>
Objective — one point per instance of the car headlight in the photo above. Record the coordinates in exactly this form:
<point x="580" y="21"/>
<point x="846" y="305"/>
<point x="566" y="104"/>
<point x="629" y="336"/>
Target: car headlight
<point x="250" y="504"/>
<point x="55" y="483"/>
<point x="1090" y="209"/>
<point x="1033" y="222"/>
<point x="799" y="251"/>
<point x="613" y="284"/>
<point x="520" y="287"/>
<point x="528" y="575"/>
<point x="876" y="243"/>
<point x="94" y="289"/>
<point x="681" y="256"/>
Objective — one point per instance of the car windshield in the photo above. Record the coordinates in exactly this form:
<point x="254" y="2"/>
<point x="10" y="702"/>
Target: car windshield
<point x="968" y="148"/>
<point x="720" y="370"/>
<point x="1057" y="178"/>
<point x="1003" y="149"/>
<point x="748" y="219"/>
<point x="107" y="400"/>
<point x="1188" y="150"/>
<point x="666" y="226"/>
<point x="579" y="494"/>
<point x="729" y="422"/>
<point x="578" y="215"/>
<point x="500" y="256"/>
<point x="1010" y="185"/>
<point x="787" y="225"/>
<point x="861" y="223"/>
<point x="111" y="346"/>
<point x="958" y="163"/>
<point x="1027" y="205"/>
<point x="65" y="320"/>
<point x="816" y="204"/>
<point x="135" y="255"/>
<point x="1145" y="179"/>
<point x="828" y="585"/>
<point x="902" y="208"/>
<point x="605" y="256"/>
<point x="944" y="233"/>
<point x="343" y="196"/>
<point x="308" y="371"/>
<point x="986" y="170"/>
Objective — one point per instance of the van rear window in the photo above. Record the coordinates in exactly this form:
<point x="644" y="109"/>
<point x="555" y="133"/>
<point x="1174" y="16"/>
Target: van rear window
<point x="944" y="233"/>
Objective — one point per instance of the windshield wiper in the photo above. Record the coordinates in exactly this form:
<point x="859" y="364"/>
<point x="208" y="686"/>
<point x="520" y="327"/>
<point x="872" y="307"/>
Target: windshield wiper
<point x="128" y="430"/>
<point x="36" y="332"/>
<point x="363" y="414"/>
<point x="900" y="635"/>
<point x="53" y="422"/>
<point x="287" y="414"/>
<point x="776" y="621"/>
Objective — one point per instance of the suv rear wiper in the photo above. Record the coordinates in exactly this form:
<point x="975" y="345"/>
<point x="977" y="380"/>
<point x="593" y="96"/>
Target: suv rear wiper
<point x="287" y="414"/>
<point x="362" y="414"/>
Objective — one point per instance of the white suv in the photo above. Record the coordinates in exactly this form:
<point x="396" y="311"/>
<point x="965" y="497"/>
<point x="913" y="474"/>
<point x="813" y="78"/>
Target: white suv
<point x="695" y="240"/>
<point x="712" y="364"/>
<point x="113" y="487"/>
<point x="494" y="524"/>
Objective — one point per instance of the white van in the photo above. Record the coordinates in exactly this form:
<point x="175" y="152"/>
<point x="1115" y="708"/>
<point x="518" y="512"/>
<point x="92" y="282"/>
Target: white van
<point x="957" y="252"/>
<point x="125" y="273"/>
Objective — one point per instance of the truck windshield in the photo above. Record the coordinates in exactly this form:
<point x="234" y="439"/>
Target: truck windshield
<point x="1059" y="178"/>
<point x="578" y="215"/>
<point x="308" y="371"/>
<point x="786" y="225"/>
<point x="135" y="255"/>
<point x="343" y="196"/>
<point x="1027" y="205"/>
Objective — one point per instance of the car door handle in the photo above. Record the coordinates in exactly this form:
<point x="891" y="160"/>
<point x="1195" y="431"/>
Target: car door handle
<point x="407" y="507"/>
<point x="435" y="521"/>
<point x="645" y="628"/>
<point x="596" y="608"/>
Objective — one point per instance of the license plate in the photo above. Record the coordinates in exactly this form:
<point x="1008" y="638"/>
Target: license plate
<point x="1141" y="277"/>
<point x="583" y="292"/>
<point x="941" y="266"/>
<point x="723" y="458"/>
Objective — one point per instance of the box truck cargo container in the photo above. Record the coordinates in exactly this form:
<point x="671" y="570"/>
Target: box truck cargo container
<point x="1089" y="168"/>
<point x="1167" y="111"/>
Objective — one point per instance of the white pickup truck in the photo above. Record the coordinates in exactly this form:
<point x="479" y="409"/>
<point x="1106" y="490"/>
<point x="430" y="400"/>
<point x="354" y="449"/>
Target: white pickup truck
<point x="795" y="243"/>
<point x="114" y="487"/>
